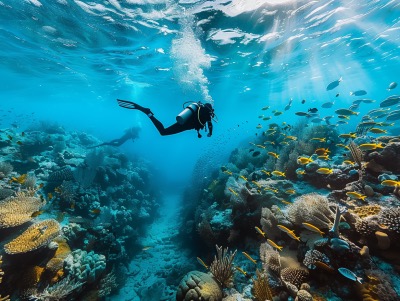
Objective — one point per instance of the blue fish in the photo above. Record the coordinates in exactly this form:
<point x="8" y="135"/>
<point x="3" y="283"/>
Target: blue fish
<point x="349" y="274"/>
<point x="358" y="93"/>
<point x="333" y="84"/>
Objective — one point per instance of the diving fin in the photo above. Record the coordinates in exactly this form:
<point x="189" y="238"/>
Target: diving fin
<point x="134" y="106"/>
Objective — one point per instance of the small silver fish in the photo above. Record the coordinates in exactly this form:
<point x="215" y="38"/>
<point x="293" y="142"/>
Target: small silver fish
<point x="358" y="93"/>
<point x="392" y="86"/>
<point x="349" y="274"/>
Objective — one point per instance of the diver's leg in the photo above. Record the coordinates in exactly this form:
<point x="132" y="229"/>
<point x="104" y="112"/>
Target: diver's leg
<point x="133" y="106"/>
<point x="173" y="129"/>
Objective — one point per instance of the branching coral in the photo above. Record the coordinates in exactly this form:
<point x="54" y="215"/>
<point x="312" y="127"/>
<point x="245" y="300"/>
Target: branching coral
<point x="261" y="288"/>
<point x="311" y="208"/>
<point x="15" y="211"/>
<point x="222" y="267"/>
<point x="35" y="237"/>
<point x="59" y="291"/>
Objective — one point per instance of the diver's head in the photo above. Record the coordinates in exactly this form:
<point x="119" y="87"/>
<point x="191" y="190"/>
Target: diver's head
<point x="210" y="108"/>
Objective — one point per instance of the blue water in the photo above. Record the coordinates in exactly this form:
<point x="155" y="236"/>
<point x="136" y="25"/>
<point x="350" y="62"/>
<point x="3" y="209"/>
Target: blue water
<point x="68" y="61"/>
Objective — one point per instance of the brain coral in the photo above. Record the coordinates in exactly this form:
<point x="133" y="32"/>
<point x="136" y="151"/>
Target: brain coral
<point x="311" y="208"/>
<point x="15" y="211"/>
<point x="35" y="237"/>
<point x="196" y="286"/>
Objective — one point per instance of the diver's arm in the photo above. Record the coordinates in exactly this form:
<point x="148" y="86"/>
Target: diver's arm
<point x="210" y="128"/>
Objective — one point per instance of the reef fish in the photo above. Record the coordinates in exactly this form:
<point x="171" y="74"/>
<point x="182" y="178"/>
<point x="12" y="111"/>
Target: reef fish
<point x="304" y="160"/>
<point x="345" y="112"/>
<point x="274" y="245"/>
<point x="272" y="154"/>
<point x="249" y="257"/>
<point x="358" y="93"/>
<point x="259" y="231"/>
<point x="328" y="104"/>
<point x="324" y="171"/>
<point x="390" y="101"/>
<point x="302" y="114"/>
<point x="278" y="173"/>
<point x="392" y="85"/>
<point x="289" y="232"/>
<point x="356" y="195"/>
<point x="370" y="146"/>
<point x="395" y="115"/>
<point x="333" y="84"/>
<point x="349" y="274"/>
<point x="202" y="262"/>
<point x="390" y="183"/>
<point x="313" y="228"/>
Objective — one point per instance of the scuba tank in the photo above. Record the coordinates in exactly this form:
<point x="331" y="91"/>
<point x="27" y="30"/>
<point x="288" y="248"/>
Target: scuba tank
<point x="185" y="115"/>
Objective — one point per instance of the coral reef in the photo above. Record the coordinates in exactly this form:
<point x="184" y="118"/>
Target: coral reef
<point x="198" y="286"/>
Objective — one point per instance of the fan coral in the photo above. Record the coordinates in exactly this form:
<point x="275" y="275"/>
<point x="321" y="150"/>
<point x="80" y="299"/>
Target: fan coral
<point x="311" y="208"/>
<point x="222" y="268"/>
<point x="295" y="276"/>
<point x="198" y="286"/>
<point x="15" y="211"/>
<point x="390" y="217"/>
<point x="261" y="288"/>
<point x="59" y="291"/>
<point x="35" y="237"/>
<point x="270" y="259"/>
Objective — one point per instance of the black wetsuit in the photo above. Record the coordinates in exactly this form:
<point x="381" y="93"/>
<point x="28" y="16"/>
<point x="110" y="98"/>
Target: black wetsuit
<point x="193" y="123"/>
<point x="129" y="134"/>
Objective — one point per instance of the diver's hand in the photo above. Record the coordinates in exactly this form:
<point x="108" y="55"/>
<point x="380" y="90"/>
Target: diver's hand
<point x="209" y="135"/>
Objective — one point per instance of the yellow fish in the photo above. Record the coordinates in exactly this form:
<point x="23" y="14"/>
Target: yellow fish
<point x="350" y="135"/>
<point x="272" y="154"/>
<point x="286" y="202"/>
<point x="349" y="162"/>
<point x="324" y="158"/>
<point x="370" y="146"/>
<point x="233" y="191"/>
<point x="313" y="228"/>
<point x="284" y="143"/>
<point x="249" y="257"/>
<point x="242" y="271"/>
<point x="301" y="172"/>
<point x="356" y="195"/>
<point x="377" y="131"/>
<point x="322" y="151"/>
<point x="255" y="183"/>
<point x="290" y="191"/>
<point x="291" y="137"/>
<point x="278" y="173"/>
<point x="324" y="171"/>
<point x="243" y="177"/>
<point x="342" y="145"/>
<point x="227" y="172"/>
<point x="319" y="139"/>
<point x="269" y="142"/>
<point x="274" y="245"/>
<point x="266" y="172"/>
<point x="260" y="146"/>
<point x="202" y="262"/>
<point x="289" y="232"/>
<point x="260" y="231"/>
<point x="271" y="189"/>
<point x="344" y="117"/>
<point x="36" y="213"/>
<point x="390" y="183"/>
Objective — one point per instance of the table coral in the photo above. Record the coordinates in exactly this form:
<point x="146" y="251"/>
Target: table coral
<point x="36" y="236"/>
<point x="15" y="211"/>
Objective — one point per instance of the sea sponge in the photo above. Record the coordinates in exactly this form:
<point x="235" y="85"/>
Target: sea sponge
<point x="15" y="211"/>
<point x="311" y="208"/>
<point x="196" y="286"/>
<point x="295" y="276"/>
<point x="365" y="211"/>
<point x="390" y="217"/>
<point x="36" y="236"/>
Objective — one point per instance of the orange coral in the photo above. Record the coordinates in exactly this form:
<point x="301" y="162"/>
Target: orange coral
<point x="36" y="236"/>
<point x="365" y="211"/>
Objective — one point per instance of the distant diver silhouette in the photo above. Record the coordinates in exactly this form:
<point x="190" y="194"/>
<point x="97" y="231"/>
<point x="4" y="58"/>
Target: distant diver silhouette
<point x="131" y="133"/>
<point x="195" y="116"/>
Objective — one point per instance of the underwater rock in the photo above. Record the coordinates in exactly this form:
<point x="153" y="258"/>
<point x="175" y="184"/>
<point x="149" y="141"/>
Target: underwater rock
<point x="198" y="286"/>
<point x="368" y="191"/>
<point x="389" y="157"/>
<point x="383" y="240"/>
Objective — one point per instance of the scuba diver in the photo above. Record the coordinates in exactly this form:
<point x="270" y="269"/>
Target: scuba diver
<point x="131" y="133"/>
<point x="195" y="116"/>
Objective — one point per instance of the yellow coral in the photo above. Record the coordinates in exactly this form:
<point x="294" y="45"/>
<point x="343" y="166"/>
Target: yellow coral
<point x="365" y="211"/>
<point x="15" y="211"/>
<point x="35" y="237"/>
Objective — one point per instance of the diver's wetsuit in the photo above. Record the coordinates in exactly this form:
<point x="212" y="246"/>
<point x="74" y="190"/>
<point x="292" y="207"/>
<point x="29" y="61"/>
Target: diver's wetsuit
<point x="129" y="134"/>
<point x="192" y="123"/>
